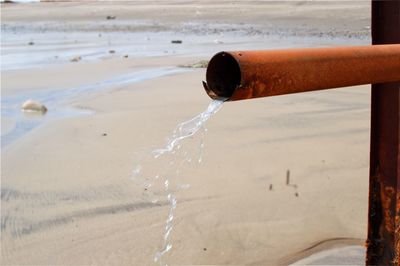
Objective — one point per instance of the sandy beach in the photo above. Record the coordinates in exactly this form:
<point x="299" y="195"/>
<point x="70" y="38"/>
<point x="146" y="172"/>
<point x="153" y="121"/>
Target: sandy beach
<point x="280" y="178"/>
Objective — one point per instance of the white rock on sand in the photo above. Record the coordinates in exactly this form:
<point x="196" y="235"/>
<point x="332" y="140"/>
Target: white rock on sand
<point x="33" y="106"/>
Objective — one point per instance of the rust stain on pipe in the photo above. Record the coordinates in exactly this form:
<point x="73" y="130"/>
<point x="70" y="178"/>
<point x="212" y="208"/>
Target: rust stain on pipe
<point x="250" y="74"/>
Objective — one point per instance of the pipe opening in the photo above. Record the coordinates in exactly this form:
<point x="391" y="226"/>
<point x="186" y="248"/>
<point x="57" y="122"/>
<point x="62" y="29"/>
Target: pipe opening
<point x="223" y="75"/>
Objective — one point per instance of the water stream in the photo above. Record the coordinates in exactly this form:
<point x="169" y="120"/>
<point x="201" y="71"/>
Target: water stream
<point x="58" y="101"/>
<point x="163" y="183"/>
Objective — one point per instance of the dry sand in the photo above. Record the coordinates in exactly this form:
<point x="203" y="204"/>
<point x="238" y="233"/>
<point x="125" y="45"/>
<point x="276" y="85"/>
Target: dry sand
<point x="66" y="193"/>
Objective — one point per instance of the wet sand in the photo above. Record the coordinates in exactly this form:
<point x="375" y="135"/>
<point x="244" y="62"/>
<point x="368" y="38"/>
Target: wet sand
<point x="66" y="192"/>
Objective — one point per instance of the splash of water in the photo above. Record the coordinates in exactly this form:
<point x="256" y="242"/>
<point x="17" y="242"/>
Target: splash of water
<point x="175" y="155"/>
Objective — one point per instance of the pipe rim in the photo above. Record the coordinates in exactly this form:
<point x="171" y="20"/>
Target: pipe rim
<point x="223" y="75"/>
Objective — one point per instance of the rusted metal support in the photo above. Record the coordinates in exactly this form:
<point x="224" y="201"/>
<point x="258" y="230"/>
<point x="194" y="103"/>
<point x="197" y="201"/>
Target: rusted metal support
<point x="383" y="244"/>
<point x="251" y="74"/>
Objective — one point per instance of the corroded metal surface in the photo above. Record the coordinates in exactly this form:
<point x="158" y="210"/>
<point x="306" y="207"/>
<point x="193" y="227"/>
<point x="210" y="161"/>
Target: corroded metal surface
<point x="252" y="74"/>
<point x="383" y="244"/>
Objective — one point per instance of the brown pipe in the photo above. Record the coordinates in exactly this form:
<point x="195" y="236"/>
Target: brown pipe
<point x="251" y="74"/>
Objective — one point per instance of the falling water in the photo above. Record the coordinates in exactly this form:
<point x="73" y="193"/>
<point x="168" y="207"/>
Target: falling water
<point x="159" y="185"/>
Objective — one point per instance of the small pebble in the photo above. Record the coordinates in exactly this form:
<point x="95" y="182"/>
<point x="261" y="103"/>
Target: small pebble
<point x="33" y="106"/>
<point x="76" y="59"/>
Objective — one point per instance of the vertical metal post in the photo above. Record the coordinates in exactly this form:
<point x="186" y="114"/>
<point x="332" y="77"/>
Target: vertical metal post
<point x="383" y="244"/>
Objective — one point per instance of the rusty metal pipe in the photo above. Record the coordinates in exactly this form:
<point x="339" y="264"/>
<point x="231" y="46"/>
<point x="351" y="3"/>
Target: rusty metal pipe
<point x="250" y="74"/>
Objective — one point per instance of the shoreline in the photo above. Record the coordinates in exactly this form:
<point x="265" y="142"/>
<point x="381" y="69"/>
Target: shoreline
<point x="57" y="101"/>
